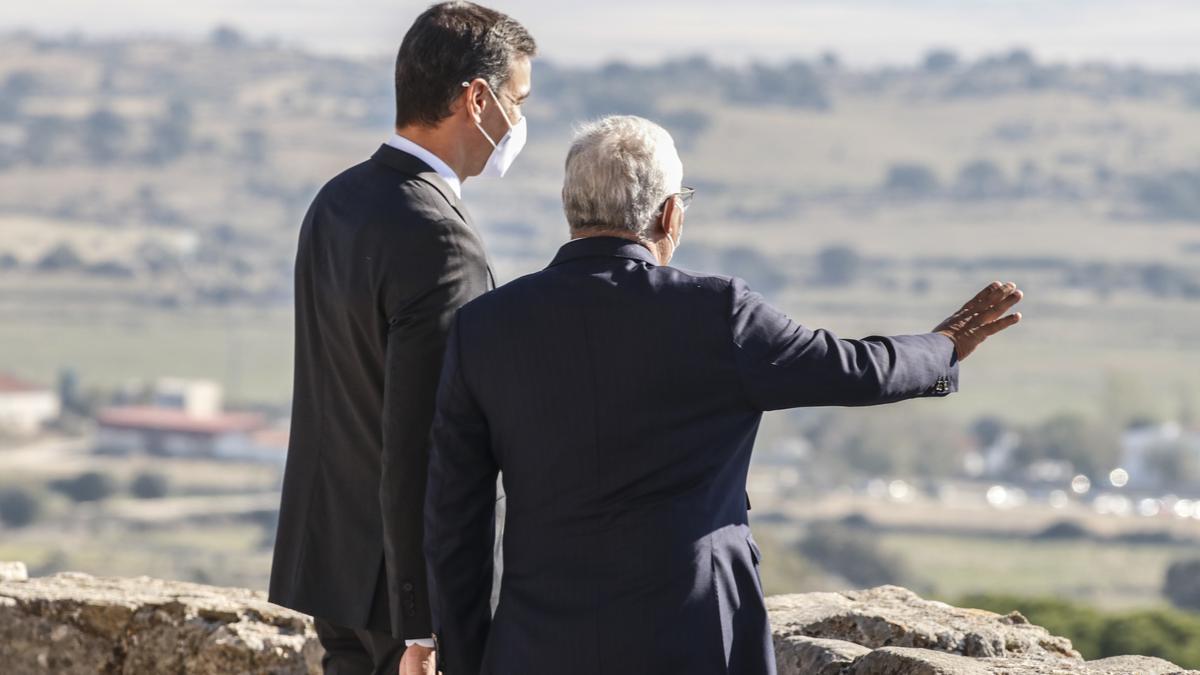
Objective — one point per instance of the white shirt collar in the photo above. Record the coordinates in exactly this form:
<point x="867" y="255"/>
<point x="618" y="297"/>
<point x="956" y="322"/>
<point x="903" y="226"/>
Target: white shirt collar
<point x="443" y="169"/>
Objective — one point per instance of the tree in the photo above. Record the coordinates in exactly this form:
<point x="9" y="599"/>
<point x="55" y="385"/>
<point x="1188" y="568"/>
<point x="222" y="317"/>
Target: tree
<point x="149" y="485"/>
<point x="171" y="135"/>
<point x="940" y="61"/>
<point x="838" y="265"/>
<point x="852" y="556"/>
<point x="253" y="147"/>
<point x="988" y="429"/>
<point x="226" y="37"/>
<point x="1091" y="447"/>
<point x="61" y="257"/>
<point x="981" y="179"/>
<point x="757" y="269"/>
<point x="45" y="135"/>
<point x="1173" y="195"/>
<point x="910" y="180"/>
<point x="104" y="136"/>
<point x="16" y="87"/>
<point x="1182" y="585"/>
<point x="18" y="507"/>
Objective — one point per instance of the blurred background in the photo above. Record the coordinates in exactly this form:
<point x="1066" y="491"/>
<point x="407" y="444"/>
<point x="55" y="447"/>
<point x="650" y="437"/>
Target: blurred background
<point x="868" y="165"/>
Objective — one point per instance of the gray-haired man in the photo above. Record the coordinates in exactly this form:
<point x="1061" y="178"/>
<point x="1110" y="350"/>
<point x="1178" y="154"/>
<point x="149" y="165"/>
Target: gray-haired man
<point x="621" y="397"/>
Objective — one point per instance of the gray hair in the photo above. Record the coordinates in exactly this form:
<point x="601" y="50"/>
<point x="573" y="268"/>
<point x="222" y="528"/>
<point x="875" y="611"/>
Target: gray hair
<point x="619" y="171"/>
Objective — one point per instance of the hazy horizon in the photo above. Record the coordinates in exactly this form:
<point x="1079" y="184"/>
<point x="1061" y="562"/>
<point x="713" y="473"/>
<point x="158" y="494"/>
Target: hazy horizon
<point x="1159" y="34"/>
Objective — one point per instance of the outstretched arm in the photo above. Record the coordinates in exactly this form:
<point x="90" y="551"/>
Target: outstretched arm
<point x="786" y="365"/>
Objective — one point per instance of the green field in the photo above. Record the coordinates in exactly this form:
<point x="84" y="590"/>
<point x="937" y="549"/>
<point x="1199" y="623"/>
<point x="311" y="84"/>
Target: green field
<point x="1102" y="574"/>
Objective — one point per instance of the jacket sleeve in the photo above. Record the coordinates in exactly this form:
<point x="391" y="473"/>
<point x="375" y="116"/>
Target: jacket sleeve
<point x="460" y="521"/>
<point x="443" y="267"/>
<point x="785" y="365"/>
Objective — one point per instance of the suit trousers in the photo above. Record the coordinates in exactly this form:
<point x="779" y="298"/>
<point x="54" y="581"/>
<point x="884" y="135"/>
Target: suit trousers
<point x="357" y="651"/>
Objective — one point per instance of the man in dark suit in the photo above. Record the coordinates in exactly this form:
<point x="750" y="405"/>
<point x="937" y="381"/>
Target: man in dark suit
<point x="387" y="253"/>
<point x="621" y="398"/>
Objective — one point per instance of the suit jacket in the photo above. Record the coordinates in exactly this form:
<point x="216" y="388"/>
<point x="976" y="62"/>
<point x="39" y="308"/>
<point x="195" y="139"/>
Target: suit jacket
<point x="387" y="253"/>
<point x="621" y="400"/>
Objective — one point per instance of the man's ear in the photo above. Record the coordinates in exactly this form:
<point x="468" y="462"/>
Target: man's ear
<point x="672" y="219"/>
<point x="475" y="98"/>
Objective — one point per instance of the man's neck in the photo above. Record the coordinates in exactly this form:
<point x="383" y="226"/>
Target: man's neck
<point x="585" y="232"/>
<point x="440" y="143"/>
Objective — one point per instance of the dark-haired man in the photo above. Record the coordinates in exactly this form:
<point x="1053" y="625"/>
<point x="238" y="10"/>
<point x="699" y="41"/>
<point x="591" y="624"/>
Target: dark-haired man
<point x="387" y="253"/>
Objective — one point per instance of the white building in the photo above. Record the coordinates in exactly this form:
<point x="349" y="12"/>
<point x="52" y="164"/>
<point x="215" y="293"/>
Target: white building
<point x="198" y="398"/>
<point x="1140" y="444"/>
<point x="25" y="407"/>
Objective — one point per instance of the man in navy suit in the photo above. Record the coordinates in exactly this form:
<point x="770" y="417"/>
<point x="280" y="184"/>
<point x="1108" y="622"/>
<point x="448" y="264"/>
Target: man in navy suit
<point x="620" y="397"/>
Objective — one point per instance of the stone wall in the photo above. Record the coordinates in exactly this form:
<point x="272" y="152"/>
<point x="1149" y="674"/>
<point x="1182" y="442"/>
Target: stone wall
<point x="71" y="624"/>
<point x="75" y="624"/>
<point x="890" y="630"/>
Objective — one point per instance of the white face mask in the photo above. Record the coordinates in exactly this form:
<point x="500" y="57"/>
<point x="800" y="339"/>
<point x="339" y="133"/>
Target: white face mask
<point x="505" y="152"/>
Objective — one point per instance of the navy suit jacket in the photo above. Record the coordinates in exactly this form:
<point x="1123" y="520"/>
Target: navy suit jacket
<point x="620" y="399"/>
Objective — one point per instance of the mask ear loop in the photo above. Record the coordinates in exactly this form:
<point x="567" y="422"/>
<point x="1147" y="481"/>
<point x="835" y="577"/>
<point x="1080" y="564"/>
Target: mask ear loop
<point x="498" y="107"/>
<point x="480" y="126"/>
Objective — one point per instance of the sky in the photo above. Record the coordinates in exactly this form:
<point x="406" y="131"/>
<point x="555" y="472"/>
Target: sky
<point x="1155" y="33"/>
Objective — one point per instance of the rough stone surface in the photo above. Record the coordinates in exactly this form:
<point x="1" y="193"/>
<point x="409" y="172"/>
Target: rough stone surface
<point x="13" y="571"/>
<point x="819" y="656"/>
<point x="890" y="630"/>
<point x="71" y="624"/>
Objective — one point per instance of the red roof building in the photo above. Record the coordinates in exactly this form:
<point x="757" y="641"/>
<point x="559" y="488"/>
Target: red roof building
<point x="174" y="432"/>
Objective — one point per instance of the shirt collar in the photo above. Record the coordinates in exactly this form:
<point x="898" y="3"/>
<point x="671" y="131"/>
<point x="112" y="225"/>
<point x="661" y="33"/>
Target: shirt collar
<point x="441" y="168"/>
<point x="616" y="247"/>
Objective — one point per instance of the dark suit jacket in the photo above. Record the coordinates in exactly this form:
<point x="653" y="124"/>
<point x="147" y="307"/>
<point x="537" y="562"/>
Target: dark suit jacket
<point x="621" y="400"/>
<point x="386" y="255"/>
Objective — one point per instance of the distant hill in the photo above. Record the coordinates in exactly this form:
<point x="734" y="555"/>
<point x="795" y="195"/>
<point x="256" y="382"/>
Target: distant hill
<point x="147" y="177"/>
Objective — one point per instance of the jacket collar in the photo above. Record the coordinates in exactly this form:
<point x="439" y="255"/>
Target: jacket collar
<point x="613" y="247"/>
<point x="409" y="164"/>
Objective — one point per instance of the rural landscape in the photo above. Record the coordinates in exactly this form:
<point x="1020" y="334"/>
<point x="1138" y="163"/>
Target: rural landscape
<point x="151" y="190"/>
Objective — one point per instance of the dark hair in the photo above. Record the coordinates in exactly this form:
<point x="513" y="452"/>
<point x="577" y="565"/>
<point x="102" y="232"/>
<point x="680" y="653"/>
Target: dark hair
<point x="453" y="42"/>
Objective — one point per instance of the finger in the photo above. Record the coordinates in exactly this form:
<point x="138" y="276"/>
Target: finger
<point x="986" y="296"/>
<point x="990" y="295"/>
<point x="987" y="302"/>
<point x="998" y="325"/>
<point x="1003" y="305"/>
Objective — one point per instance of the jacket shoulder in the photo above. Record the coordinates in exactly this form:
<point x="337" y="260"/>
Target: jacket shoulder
<point x="395" y="195"/>
<point x="699" y="281"/>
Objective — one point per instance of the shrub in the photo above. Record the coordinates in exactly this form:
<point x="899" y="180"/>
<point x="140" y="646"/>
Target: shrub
<point x="1166" y="633"/>
<point x="1182" y="585"/>
<point x="86" y="487"/>
<point x="853" y="556"/>
<point x="1064" y="529"/>
<point x="18" y="507"/>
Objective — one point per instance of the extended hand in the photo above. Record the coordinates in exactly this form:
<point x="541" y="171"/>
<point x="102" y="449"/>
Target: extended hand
<point x="982" y="317"/>
<point x="417" y="660"/>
